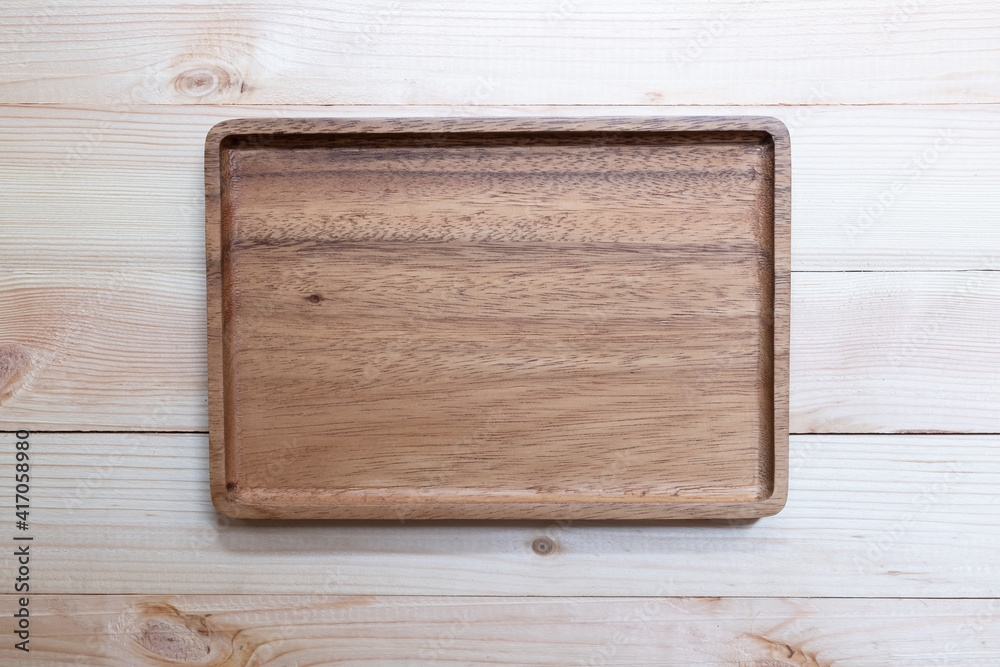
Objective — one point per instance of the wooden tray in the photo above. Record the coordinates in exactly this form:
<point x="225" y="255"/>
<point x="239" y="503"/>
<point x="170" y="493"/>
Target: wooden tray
<point x="498" y="319"/>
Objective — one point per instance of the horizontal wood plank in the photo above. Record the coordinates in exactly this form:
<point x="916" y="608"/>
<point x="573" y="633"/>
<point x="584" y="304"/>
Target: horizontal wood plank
<point x="871" y="352"/>
<point x="515" y="52"/>
<point x="895" y="352"/>
<point x="102" y="326"/>
<point x="873" y="188"/>
<point x="114" y="349"/>
<point x="866" y="516"/>
<point x="103" y="304"/>
<point x="138" y="630"/>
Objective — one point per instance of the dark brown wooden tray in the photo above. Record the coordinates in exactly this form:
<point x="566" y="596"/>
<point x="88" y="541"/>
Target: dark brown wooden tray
<point x="498" y="319"/>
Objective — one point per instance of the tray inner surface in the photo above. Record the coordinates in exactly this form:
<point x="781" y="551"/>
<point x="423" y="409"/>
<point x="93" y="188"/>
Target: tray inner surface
<point x="500" y="317"/>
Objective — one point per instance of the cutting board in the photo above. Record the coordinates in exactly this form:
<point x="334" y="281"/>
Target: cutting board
<point x="498" y="318"/>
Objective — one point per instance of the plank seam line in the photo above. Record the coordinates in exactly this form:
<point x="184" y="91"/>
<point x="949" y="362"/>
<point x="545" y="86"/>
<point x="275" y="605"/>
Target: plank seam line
<point x="895" y="271"/>
<point x="796" y="433"/>
<point x="510" y="597"/>
<point x="520" y="105"/>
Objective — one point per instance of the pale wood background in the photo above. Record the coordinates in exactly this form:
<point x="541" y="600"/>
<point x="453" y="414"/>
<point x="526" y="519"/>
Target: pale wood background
<point x="887" y="552"/>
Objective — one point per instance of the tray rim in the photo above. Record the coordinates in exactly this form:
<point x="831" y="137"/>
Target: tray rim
<point x="236" y="503"/>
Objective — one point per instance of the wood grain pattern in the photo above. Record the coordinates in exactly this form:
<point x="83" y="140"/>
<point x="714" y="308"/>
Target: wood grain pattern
<point x="282" y="631"/>
<point x="98" y="337"/>
<point x="517" y="52"/>
<point x="102" y="326"/>
<point x="135" y="179"/>
<point x="869" y="351"/>
<point x="921" y="350"/>
<point x="135" y="175"/>
<point x="908" y="516"/>
<point x="507" y="319"/>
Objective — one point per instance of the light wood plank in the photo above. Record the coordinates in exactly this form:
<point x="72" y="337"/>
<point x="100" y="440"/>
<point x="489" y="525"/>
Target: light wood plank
<point x="873" y="188"/>
<point x="113" y="349"/>
<point x="870" y="352"/>
<point x="102" y="326"/>
<point x="514" y="52"/>
<point x="281" y="631"/>
<point x="866" y="516"/>
<point x="883" y="352"/>
<point x="105" y="280"/>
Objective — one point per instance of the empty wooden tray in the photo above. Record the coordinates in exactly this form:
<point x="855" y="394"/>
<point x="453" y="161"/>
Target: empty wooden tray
<point x="498" y="319"/>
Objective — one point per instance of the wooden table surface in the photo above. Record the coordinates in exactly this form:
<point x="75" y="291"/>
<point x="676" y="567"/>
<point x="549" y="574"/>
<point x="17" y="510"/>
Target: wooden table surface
<point x="888" y="551"/>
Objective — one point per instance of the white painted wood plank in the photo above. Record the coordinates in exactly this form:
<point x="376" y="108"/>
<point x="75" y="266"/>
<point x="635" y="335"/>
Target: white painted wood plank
<point x="895" y="352"/>
<point x="516" y="52"/>
<point x="283" y="631"/>
<point x="898" y="189"/>
<point x="895" y="516"/>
